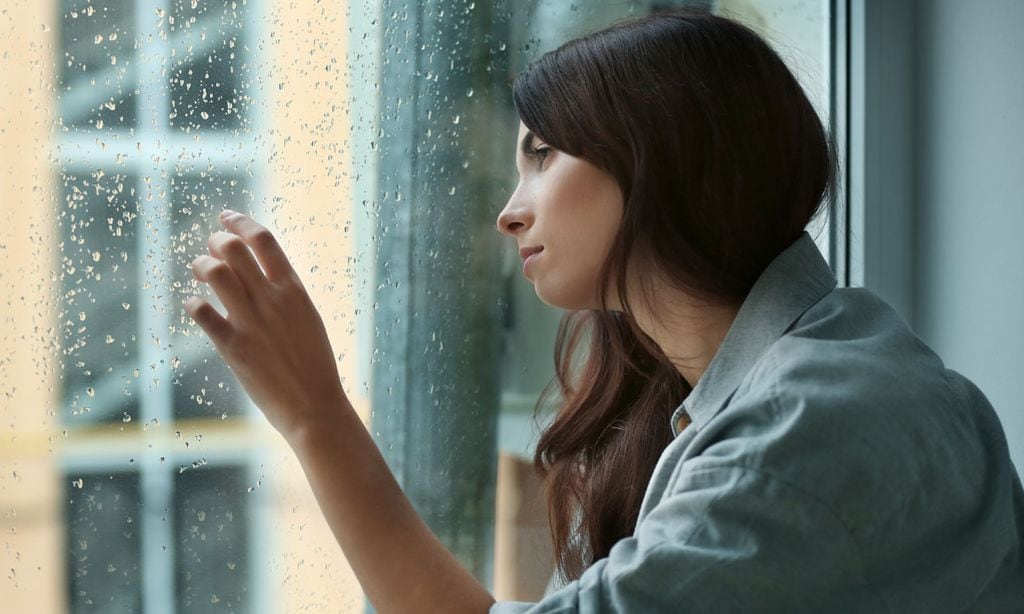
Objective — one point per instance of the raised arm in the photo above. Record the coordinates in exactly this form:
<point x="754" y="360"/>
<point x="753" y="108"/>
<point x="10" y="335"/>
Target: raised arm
<point x="274" y="341"/>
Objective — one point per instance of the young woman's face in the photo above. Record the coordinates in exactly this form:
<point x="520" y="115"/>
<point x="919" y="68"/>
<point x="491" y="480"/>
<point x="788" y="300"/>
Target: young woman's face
<point x="571" y="209"/>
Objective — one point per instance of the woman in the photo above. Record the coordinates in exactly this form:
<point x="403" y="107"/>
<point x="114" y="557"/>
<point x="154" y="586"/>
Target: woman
<point x="743" y="435"/>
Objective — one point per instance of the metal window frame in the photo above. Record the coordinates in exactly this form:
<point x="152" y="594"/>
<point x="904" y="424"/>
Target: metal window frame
<point x="874" y="235"/>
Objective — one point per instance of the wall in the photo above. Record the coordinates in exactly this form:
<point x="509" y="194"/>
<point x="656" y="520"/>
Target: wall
<point x="969" y="213"/>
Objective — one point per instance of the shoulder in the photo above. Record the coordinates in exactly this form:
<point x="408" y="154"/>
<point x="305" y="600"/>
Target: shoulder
<point x="851" y="331"/>
<point x="850" y="358"/>
<point x="851" y="404"/>
<point x="852" y="351"/>
<point x="848" y="433"/>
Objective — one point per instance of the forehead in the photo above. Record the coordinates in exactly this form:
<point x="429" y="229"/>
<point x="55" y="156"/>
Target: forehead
<point x="522" y="131"/>
<point x="525" y="138"/>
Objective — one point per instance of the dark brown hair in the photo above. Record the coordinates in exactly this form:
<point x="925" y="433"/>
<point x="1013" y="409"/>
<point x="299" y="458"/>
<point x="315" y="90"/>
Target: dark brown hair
<point x="723" y="162"/>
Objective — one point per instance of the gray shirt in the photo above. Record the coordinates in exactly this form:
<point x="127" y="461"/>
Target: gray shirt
<point x="832" y="464"/>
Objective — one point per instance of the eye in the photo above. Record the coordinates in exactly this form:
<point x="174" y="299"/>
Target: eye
<point x="540" y="154"/>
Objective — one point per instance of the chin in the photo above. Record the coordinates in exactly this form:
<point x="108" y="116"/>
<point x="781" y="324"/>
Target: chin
<point x="561" y="299"/>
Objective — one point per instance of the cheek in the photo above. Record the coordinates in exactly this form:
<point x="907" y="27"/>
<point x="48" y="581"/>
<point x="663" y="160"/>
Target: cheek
<point x="569" y="277"/>
<point x="582" y="212"/>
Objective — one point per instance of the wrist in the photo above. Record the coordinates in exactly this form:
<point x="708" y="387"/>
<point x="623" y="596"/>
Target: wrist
<point x="332" y="419"/>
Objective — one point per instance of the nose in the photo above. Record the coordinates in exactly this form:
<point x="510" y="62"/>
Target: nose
<point x="513" y="218"/>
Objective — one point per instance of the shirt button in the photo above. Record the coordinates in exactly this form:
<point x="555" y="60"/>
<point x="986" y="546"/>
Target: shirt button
<point x="682" y="422"/>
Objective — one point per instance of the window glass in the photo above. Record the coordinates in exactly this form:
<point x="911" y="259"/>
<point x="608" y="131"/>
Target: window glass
<point x="209" y="64"/>
<point x="211" y="525"/>
<point x="98" y="270"/>
<point x="95" y="64"/>
<point x="203" y="384"/>
<point x="103" y="542"/>
<point x="375" y="138"/>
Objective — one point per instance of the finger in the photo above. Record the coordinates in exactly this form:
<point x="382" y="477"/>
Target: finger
<point x="222" y="279"/>
<point x="230" y="248"/>
<point x="218" y="329"/>
<point x="263" y="244"/>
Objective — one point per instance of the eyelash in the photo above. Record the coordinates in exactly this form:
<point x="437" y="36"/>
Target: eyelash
<point x="541" y="153"/>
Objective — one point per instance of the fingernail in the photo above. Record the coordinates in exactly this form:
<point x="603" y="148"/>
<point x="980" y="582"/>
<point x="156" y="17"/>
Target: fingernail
<point x="227" y="213"/>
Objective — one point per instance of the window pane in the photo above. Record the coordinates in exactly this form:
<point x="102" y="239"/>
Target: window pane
<point x="210" y="73"/>
<point x="98" y="274"/>
<point x="103" y="542"/>
<point x="204" y="386"/>
<point x="211" y="520"/>
<point x="96" y="64"/>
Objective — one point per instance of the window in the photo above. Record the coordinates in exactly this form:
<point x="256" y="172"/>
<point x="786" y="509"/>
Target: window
<point x="375" y="138"/>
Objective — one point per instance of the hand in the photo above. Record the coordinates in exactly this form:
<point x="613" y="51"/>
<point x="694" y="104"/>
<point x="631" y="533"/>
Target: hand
<point x="273" y="338"/>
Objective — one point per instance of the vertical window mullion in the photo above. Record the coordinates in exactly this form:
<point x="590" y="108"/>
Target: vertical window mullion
<point x="261" y="593"/>
<point x="157" y="485"/>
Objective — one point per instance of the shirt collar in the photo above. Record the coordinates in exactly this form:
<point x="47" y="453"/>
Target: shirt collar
<point x="794" y="281"/>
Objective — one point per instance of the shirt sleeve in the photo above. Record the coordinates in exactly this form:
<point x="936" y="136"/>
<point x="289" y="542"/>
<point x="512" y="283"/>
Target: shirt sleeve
<point x="728" y="538"/>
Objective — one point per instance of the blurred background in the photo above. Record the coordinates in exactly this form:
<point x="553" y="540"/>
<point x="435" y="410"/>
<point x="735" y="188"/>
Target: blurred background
<point x="376" y="139"/>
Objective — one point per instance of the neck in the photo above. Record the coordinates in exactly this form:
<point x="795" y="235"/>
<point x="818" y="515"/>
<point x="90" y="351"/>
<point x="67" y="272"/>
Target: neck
<point x="687" y="331"/>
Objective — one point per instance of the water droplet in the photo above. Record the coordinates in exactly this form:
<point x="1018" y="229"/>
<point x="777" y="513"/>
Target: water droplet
<point x="90" y="391"/>
<point x="81" y="316"/>
<point x="96" y="255"/>
<point x="456" y="120"/>
<point x="127" y="417"/>
<point x="98" y="39"/>
<point x="109" y="339"/>
<point x="113" y="60"/>
<point x="77" y="484"/>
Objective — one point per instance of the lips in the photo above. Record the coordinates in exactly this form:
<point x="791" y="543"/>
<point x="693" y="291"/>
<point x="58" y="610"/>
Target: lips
<point x="526" y="252"/>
